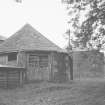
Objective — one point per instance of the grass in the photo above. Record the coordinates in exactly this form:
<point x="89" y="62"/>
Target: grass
<point x="45" y="93"/>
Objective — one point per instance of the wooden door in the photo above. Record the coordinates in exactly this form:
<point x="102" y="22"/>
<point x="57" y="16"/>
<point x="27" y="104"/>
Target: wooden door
<point x="33" y="67"/>
<point x="44" y="66"/>
<point x="38" y="67"/>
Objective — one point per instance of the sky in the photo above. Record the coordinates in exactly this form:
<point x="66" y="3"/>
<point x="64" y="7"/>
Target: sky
<point x="49" y="17"/>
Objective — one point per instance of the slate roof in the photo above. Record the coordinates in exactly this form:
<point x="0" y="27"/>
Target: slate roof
<point x="28" y="39"/>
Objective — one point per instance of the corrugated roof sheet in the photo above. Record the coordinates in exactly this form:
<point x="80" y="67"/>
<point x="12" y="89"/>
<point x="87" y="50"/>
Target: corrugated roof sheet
<point x="27" y="38"/>
<point x="2" y="37"/>
<point x="9" y="66"/>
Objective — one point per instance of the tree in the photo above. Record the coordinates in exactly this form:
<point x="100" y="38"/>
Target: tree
<point x="87" y="20"/>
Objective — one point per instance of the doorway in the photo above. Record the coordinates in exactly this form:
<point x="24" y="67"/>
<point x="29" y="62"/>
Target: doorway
<point x="38" y="67"/>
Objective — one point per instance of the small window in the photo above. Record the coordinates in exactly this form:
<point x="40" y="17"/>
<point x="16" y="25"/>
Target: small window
<point x="12" y="56"/>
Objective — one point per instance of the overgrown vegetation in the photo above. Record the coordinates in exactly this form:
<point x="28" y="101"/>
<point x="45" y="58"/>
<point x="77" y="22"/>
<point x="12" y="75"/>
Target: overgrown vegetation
<point x="72" y="93"/>
<point x="87" y="23"/>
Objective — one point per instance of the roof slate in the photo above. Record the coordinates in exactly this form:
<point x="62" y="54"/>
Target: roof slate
<point x="27" y="39"/>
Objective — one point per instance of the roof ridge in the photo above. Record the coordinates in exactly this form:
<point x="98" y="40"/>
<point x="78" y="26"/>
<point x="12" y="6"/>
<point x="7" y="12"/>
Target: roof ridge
<point x="25" y="38"/>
